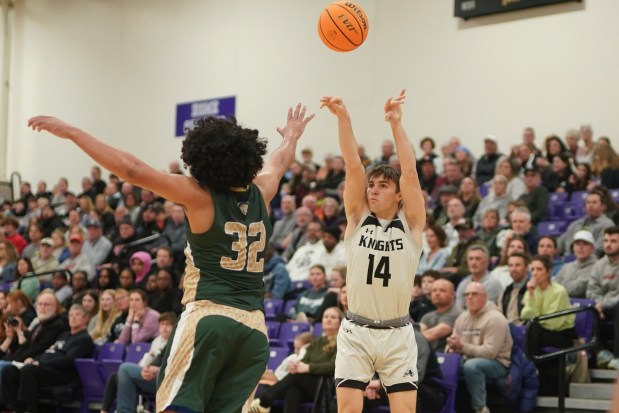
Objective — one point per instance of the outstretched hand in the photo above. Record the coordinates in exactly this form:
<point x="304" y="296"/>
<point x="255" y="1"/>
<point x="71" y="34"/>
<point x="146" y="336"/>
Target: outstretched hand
<point x="52" y="125"/>
<point x="296" y="123"/>
<point x="393" y="107"/>
<point x="335" y="105"/>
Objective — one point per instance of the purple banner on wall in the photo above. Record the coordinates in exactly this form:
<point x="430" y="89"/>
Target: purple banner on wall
<point x="186" y="113"/>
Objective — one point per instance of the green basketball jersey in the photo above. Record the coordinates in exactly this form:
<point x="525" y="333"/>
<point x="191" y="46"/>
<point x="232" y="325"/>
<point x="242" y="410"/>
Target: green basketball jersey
<point x="226" y="263"/>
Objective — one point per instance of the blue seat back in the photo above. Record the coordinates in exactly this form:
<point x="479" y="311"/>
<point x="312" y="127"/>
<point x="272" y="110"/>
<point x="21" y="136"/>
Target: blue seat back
<point x="584" y="320"/>
<point x="135" y="352"/>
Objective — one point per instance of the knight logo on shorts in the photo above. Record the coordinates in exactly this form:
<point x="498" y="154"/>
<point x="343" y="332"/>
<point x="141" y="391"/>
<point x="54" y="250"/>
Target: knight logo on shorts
<point x="409" y="373"/>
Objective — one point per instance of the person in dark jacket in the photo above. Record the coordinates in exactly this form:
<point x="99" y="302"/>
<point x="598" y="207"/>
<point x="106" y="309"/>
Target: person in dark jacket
<point x="510" y="300"/>
<point x="52" y="368"/>
<point x="166" y="297"/>
<point x="486" y="164"/>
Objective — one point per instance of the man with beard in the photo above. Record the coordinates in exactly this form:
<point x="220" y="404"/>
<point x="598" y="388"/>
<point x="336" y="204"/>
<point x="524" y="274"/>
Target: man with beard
<point x="21" y="343"/>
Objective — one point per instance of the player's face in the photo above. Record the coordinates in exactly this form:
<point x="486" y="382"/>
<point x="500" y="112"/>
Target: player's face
<point x="381" y="194"/>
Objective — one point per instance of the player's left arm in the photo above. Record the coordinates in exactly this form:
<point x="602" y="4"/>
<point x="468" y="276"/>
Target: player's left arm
<point x="268" y="178"/>
<point x="413" y="202"/>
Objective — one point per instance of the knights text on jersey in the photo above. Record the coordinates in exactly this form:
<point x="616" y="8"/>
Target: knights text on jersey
<point x="382" y="262"/>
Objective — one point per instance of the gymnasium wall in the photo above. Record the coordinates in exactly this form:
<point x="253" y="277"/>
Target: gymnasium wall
<point x="117" y="68"/>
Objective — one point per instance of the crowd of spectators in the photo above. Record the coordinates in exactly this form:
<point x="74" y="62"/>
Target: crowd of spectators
<point x="113" y="255"/>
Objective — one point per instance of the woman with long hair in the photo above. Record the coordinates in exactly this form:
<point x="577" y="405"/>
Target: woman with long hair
<point x="90" y="302"/>
<point x="301" y="384"/>
<point x="61" y="252"/>
<point x="108" y="312"/>
<point x="106" y="214"/>
<point x="8" y="261"/>
<point x="107" y="279"/>
<point x="436" y="257"/>
<point x="510" y="169"/>
<point x="469" y="195"/>
<point x="30" y="285"/>
<point x="546" y="297"/>
<point x="605" y="165"/>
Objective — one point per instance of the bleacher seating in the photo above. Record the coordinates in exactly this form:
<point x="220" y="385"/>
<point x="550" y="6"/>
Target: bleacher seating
<point x="288" y="331"/>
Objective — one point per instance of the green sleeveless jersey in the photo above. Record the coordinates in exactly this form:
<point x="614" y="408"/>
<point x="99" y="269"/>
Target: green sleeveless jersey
<point x="226" y="263"/>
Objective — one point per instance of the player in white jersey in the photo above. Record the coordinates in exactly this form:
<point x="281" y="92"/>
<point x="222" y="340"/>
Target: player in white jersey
<point x="386" y="216"/>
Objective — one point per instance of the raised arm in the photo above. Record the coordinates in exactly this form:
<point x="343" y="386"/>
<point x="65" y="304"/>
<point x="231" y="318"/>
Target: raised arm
<point x="412" y="196"/>
<point x="355" y="202"/>
<point x="177" y="188"/>
<point x="270" y="175"/>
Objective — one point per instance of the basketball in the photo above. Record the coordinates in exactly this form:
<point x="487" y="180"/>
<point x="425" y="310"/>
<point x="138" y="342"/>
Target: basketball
<point x="343" y="26"/>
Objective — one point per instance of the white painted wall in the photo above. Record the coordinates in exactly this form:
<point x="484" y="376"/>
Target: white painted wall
<point x="117" y="68"/>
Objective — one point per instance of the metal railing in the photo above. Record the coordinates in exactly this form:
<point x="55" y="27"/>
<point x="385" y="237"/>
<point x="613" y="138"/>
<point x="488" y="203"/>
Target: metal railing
<point x="560" y="354"/>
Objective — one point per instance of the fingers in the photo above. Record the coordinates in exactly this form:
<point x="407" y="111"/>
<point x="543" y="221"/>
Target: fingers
<point x="289" y="113"/>
<point x="310" y="117"/>
<point x="297" y="110"/>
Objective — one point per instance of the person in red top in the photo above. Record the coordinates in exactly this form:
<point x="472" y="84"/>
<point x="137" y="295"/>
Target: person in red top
<point x="10" y="225"/>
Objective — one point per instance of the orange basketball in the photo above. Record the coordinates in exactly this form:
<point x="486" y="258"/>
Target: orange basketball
<point x="343" y="26"/>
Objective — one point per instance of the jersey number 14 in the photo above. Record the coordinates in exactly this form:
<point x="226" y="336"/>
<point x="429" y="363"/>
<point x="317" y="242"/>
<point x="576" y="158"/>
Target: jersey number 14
<point x="380" y="270"/>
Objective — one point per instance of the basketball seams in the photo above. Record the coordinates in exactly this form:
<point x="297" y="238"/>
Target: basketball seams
<point x="356" y="18"/>
<point x="326" y="39"/>
<point x="338" y="27"/>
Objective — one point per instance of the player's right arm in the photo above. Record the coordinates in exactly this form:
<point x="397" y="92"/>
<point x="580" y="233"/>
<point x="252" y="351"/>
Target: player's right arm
<point x="177" y="188"/>
<point x="355" y="202"/>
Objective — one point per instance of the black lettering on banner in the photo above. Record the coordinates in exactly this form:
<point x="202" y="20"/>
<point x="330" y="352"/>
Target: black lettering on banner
<point x="380" y="271"/>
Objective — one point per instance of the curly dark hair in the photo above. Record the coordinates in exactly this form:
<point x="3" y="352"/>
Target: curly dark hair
<point x="221" y="154"/>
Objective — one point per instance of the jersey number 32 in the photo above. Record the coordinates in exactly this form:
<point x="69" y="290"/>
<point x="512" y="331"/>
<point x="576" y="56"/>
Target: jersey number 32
<point x="246" y="254"/>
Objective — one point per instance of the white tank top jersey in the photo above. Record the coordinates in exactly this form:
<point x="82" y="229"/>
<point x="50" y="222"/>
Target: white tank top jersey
<point x="382" y="262"/>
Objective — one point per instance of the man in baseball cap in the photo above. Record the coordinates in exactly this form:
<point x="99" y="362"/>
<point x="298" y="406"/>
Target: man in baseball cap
<point x="575" y="275"/>
<point x="484" y="171"/>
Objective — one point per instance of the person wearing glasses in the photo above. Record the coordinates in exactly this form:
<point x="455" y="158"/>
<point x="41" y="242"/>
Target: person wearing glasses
<point x="481" y="335"/>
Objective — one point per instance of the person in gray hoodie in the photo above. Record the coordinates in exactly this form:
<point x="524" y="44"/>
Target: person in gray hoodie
<point x="574" y="276"/>
<point x="481" y="335"/>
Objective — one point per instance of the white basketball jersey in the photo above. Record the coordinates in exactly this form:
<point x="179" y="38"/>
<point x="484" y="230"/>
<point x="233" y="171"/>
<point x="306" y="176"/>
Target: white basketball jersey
<point x="382" y="262"/>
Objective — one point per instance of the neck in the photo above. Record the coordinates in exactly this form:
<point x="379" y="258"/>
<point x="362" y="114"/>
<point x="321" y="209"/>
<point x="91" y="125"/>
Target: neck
<point x="477" y="277"/>
<point x="75" y="330"/>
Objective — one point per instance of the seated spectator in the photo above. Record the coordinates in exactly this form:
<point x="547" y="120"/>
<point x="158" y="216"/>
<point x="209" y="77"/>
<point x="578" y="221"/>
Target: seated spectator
<point x="105" y="214"/>
<point x="78" y="261"/>
<point x="299" y="263"/>
<point x="574" y="275"/>
<point x="430" y="180"/>
<point x="121" y="300"/>
<point x="603" y="287"/>
<point x="142" y="322"/>
<point x="469" y="195"/>
<point x="79" y="285"/>
<point x="61" y="287"/>
<point x="56" y="366"/>
<point x="24" y="282"/>
<point x="486" y="164"/>
<point x="605" y="165"/>
<point x="10" y="225"/>
<point x="536" y="196"/>
<point x="301" y="342"/>
<point x="150" y="287"/>
<point x="8" y="262"/>
<point x="595" y="221"/>
<point x="175" y="229"/>
<point x="61" y="251"/>
<point x="481" y="334"/>
<point x="166" y="297"/>
<point x="276" y="278"/>
<point x="337" y="281"/>
<point x="446" y="193"/>
<point x="420" y="303"/>
<point x="488" y="231"/>
<point x="35" y="234"/>
<point x="501" y="272"/>
<point x="20" y="306"/>
<point x="310" y="300"/>
<point x="105" y="317"/>
<point x="547" y="297"/>
<point x="437" y="256"/>
<point x="127" y="279"/>
<point x="164" y="258"/>
<point x="510" y="300"/>
<point x="478" y="260"/>
<point x="521" y="225"/>
<point x="90" y="302"/>
<point x="140" y="263"/>
<point x="132" y="378"/>
<point x="44" y="260"/>
<point x="547" y="245"/>
<point x="96" y="247"/>
<point x="107" y="279"/>
<point x="299" y="236"/>
<point x="497" y="199"/>
<point x="284" y="226"/>
<point x="301" y="384"/>
<point x="457" y="265"/>
<point x="560" y="177"/>
<point x="20" y="343"/>
<point x="438" y="324"/>
<point x="122" y="247"/>
<point x="455" y="212"/>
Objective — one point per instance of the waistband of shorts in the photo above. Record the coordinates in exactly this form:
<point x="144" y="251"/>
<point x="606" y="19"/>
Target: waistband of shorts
<point x="378" y="324"/>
